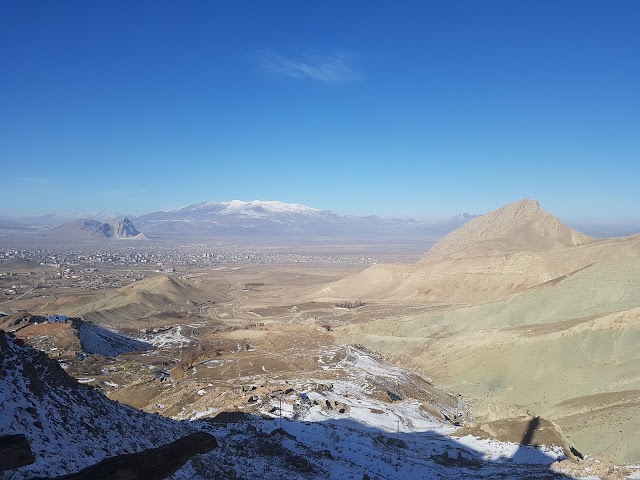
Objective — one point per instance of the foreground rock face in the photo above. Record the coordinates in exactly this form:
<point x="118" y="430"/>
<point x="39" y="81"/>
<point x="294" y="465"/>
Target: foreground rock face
<point x="15" y="452"/>
<point x="152" y="464"/>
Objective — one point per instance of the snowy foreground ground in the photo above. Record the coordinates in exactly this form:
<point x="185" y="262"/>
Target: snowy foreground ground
<point x="334" y="429"/>
<point x="349" y="448"/>
<point x="370" y="439"/>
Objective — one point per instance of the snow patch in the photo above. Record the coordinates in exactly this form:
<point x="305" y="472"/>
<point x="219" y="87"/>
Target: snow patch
<point x="98" y="340"/>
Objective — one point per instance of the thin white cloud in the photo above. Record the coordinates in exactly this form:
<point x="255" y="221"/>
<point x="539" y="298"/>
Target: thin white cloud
<point x="37" y="180"/>
<point x="331" y="69"/>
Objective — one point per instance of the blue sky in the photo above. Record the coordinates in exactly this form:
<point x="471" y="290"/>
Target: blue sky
<point x="393" y="108"/>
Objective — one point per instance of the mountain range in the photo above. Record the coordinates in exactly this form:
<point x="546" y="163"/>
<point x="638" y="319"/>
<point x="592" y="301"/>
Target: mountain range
<point x="235" y="219"/>
<point x="256" y="219"/>
<point x="274" y="218"/>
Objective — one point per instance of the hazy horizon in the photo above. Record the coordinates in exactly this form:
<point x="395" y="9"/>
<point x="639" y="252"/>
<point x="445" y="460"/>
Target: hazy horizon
<point x="599" y="227"/>
<point x="416" y="110"/>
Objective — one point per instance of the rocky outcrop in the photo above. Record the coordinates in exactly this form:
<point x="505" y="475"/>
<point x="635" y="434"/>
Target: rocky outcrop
<point x="122" y="228"/>
<point x="88" y="229"/>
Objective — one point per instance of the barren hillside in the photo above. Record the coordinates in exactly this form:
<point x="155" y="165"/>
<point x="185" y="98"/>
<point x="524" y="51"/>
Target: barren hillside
<point x="566" y="350"/>
<point x="541" y="320"/>
<point x="128" y="305"/>
<point x="483" y="262"/>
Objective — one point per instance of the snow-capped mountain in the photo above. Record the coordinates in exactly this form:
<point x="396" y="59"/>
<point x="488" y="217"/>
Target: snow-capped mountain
<point x="255" y="208"/>
<point x="276" y="218"/>
<point x="465" y="216"/>
<point x="236" y="219"/>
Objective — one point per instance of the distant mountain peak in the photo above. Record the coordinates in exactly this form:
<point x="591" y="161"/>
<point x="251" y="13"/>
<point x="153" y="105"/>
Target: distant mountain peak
<point x="521" y="209"/>
<point x="465" y="216"/>
<point x="272" y="206"/>
<point x="253" y="206"/>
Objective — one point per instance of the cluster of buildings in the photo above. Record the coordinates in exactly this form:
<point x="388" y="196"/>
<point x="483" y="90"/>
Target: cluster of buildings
<point x="166" y="257"/>
<point x="99" y="268"/>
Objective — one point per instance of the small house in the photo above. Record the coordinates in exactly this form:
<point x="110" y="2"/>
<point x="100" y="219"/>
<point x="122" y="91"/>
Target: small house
<point x="57" y="319"/>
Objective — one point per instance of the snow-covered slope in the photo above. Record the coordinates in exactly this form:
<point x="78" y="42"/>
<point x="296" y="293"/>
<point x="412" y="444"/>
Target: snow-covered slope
<point x="95" y="339"/>
<point x="340" y="429"/>
<point x="345" y="449"/>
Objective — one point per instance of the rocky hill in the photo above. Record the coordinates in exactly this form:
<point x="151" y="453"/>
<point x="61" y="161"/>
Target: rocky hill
<point x="88" y="229"/>
<point x="131" y="303"/>
<point x="122" y="228"/>
<point x="72" y="337"/>
<point x="519" y="226"/>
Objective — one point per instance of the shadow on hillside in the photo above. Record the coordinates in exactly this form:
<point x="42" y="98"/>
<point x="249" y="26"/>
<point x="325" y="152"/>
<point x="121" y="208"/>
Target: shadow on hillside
<point x="95" y="339"/>
<point x="345" y="448"/>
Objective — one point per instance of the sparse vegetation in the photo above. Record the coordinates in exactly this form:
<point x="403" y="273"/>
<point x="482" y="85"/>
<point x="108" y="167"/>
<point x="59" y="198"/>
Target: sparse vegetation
<point x="192" y="353"/>
<point x="351" y="305"/>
